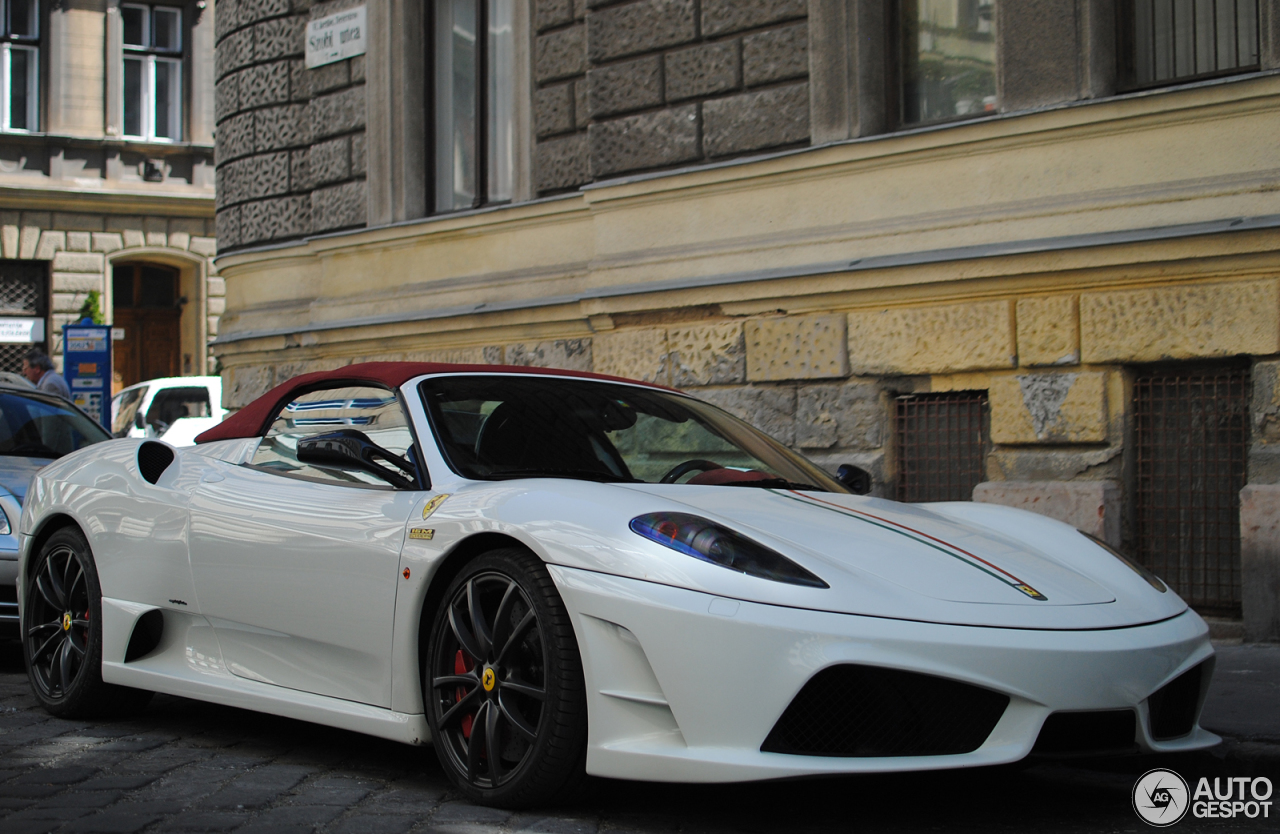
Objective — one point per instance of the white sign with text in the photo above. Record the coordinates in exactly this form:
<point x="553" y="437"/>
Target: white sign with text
<point x="336" y="37"/>
<point x="21" y="331"/>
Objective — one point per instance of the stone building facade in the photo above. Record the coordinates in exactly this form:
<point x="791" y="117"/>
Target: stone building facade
<point x="104" y="173"/>
<point x="992" y="249"/>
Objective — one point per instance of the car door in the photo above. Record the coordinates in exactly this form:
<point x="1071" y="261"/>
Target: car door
<point x="296" y="564"/>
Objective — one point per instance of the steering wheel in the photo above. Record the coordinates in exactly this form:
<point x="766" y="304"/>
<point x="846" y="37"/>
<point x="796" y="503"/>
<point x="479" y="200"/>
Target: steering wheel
<point x="682" y="469"/>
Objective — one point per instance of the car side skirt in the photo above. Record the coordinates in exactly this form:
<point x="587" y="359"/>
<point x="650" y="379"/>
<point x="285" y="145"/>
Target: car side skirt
<point x="188" y="663"/>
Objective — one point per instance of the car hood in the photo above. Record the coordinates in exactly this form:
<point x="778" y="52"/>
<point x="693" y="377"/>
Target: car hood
<point x="905" y="544"/>
<point x="884" y="558"/>
<point x="16" y="472"/>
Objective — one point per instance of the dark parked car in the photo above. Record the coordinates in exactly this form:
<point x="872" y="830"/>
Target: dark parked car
<point x="35" y="428"/>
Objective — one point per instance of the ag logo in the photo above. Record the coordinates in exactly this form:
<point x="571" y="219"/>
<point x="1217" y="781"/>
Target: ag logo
<point x="1161" y="797"/>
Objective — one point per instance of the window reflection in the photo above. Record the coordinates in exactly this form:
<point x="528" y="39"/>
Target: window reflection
<point x="474" y="101"/>
<point x="948" y="59"/>
<point x="1175" y="40"/>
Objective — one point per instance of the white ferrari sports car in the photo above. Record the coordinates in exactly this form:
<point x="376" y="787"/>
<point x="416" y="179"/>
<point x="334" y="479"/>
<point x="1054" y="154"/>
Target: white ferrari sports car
<point x="546" y="574"/>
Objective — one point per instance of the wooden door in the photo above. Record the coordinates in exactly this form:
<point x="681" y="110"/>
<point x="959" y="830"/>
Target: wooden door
<point x="148" y="308"/>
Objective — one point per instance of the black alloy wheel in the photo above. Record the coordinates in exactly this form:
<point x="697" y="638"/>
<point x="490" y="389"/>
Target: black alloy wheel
<point x="62" y="633"/>
<point x="503" y="684"/>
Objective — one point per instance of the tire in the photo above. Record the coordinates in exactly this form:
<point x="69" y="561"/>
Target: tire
<point x="62" y="633"/>
<point x="529" y="716"/>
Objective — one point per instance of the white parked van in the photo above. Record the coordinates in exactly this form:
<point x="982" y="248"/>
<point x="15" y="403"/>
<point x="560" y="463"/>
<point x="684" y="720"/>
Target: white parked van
<point x="173" y="409"/>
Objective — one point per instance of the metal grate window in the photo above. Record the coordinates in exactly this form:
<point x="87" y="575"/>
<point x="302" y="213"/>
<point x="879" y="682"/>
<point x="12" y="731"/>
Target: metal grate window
<point x="22" y="288"/>
<point x="1167" y="41"/>
<point x="11" y="356"/>
<point x="943" y="440"/>
<point x="1192" y="443"/>
<point x="23" y="292"/>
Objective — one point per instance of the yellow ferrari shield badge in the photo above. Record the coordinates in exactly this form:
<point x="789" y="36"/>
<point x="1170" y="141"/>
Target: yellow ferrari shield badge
<point x="66" y="622"/>
<point x="488" y="679"/>
<point x="434" y="504"/>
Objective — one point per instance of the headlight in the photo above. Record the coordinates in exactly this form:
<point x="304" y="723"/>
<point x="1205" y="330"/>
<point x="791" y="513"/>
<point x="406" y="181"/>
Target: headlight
<point x="705" y="540"/>
<point x="1152" y="580"/>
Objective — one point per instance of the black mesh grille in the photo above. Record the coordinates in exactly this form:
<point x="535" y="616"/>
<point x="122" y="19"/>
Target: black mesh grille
<point x="153" y="460"/>
<point x="1173" y="707"/>
<point x="1103" y="731"/>
<point x="868" y="711"/>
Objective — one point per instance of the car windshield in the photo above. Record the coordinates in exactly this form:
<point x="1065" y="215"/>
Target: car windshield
<point x="496" y="427"/>
<point x="125" y="408"/>
<point x="38" y="428"/>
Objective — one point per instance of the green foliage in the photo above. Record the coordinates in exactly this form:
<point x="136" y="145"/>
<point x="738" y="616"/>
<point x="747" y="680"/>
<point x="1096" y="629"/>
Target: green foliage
<point x="92" y="308"/>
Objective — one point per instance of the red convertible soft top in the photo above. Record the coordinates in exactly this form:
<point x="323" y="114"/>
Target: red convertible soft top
<point x="254" y="419"/>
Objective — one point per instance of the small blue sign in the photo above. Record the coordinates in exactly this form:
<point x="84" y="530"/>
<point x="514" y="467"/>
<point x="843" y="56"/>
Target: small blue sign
<point x="86" y="363"/>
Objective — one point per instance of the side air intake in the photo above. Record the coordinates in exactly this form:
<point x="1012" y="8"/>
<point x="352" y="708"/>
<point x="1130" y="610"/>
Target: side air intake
<point x="865" y="711"/>
<point x="146" y="636"/>
<point x="153" y="459"/>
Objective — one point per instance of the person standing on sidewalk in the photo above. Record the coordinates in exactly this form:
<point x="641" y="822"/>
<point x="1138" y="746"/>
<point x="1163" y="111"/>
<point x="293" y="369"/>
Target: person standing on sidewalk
<point x="38" y="367"/>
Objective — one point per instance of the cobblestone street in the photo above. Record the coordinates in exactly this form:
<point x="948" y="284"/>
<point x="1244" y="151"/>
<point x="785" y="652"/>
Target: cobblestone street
<point x="184" y="765"/>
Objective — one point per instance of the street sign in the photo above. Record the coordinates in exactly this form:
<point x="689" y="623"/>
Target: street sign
<point x="86" y="363"/>
<point x="338" y="36"/>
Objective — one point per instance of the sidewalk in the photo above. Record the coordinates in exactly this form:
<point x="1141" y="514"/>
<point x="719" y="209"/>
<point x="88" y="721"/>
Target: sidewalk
<point x="1243" y="705"/>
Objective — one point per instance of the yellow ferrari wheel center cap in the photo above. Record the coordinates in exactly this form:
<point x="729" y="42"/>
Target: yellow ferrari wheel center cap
<point x="488" y="679"/>
<point x="66" y="622"/>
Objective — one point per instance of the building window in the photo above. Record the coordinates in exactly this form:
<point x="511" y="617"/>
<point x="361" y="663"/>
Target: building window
<point x="152" y="72"/>
<point x="943" y="441"/>
<point x="473" y="103"/>
<point x="20" y="65"/>
<point x="948" y="65"/>
<point x="1192" y="441"/>
<point x="1165" y="41"/>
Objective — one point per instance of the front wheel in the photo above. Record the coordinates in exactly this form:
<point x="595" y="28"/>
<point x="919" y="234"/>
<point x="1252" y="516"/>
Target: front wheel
<point x="503" y="684"/>
<point x="62" y="633"/>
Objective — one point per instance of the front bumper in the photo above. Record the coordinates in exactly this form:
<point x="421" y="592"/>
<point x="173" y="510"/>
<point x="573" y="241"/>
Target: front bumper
<point x="683" y="686"/>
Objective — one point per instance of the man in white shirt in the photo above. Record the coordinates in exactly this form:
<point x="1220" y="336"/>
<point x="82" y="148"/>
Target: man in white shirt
<point x="38" y="367"/>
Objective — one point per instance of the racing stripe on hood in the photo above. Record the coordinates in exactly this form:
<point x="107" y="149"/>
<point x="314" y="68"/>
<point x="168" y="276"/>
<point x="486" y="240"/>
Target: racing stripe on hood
<point x="957" y="553"/>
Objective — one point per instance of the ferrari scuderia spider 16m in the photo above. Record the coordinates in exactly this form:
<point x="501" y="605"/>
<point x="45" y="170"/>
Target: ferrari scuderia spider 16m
<point x="547" y="574"/>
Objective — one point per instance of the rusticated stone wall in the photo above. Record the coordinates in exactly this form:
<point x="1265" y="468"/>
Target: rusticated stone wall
<point x="634" y="86"/>
<point x="290" y="140"/>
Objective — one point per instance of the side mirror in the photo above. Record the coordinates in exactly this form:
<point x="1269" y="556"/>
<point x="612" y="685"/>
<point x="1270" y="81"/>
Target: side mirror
<point x="352" y="449"/>
<point x="857" y="479"/>
<point x="139" y="420"/>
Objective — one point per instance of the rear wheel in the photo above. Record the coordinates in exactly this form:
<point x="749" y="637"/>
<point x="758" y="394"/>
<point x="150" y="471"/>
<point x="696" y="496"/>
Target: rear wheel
<point x="503" y="684"/>
<point x="62" y="633"/>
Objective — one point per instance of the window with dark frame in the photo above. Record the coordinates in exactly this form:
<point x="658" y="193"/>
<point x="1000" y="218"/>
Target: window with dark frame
<point x="1191" y="427"/>
<point x="943" y="441"/>
<point x="20" y="65"/>
<point x="473" y="103"/>
<point x="1169" y="41"/>
<point x="152" y="72"/>
<point x="947" y="59"/>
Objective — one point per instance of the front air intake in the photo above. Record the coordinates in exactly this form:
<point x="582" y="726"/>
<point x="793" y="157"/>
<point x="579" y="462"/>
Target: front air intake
<point x="153" y="459"/>
<point x="1173" y="707"/>
<point x="1109" y="732"/>
<point x="868" y="711"/>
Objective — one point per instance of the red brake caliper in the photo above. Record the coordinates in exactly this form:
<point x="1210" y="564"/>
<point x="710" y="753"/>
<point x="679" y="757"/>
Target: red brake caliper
<point x="461" y="665"/>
